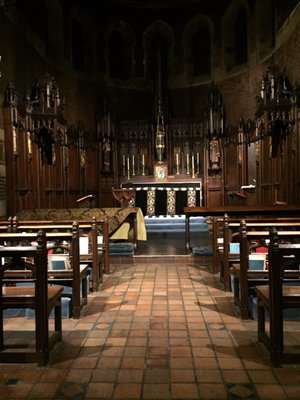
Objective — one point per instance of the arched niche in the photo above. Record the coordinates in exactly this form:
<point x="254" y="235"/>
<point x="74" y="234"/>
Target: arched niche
<point x="197" y="46"/>
<point x="158" y="38"/>
<point x="55" y="30"/>
<point x="119" y="50"/>
<point x="80" y="39"/>
<point x="235" y="31"/>
<point x="265" y="36"/>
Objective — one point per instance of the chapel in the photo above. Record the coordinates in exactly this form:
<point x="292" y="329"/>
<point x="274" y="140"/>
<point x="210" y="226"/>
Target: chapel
<point x="149" y="199"/>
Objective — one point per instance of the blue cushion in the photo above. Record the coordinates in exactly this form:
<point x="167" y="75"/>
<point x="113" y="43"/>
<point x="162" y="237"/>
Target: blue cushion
<point x="234" y="248"/>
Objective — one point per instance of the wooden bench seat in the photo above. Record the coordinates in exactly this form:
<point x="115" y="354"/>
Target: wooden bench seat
<point x="278" y="296"/>
<point x="38" y="296"/>
<point x="98" y="252"/>
<point x="243" y="277"/>
<point x="231" y="230"/>
<point x="76" y="277"/>
<point x="274" y="211"/>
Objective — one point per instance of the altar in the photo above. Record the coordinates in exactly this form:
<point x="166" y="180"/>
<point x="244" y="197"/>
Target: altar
<point x="165" y="198"/>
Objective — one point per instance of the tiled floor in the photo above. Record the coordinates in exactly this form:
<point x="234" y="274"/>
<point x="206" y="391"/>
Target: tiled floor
<point x="161" y="328"/>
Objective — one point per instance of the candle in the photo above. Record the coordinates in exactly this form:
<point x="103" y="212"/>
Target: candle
<point x="193" y="163"/>
<point x="143" y="160"/>
<point x="108" y="125"/>
<point x="197" y="158"/>
<point x="128" y="164"/>
<point x="211" y="120"/>
<point x="123" y="162"/>
<point x="177" y="159"/>
<point x="187" y="159"/>
<point x="133" y="162"/>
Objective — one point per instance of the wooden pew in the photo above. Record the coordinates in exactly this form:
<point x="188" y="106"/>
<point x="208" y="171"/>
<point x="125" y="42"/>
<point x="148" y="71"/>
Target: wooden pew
<point x="230" y="227"/>
<point x="118" y="220"/>
<point x="38" y="296"/>
<point x="249" y="234"/>
<point x="277" y="296"/>
<point x="241" y="270"/>
<point x="76" y="277"/>
<point x="234" y="211"/>
<point x="93" y="229"/>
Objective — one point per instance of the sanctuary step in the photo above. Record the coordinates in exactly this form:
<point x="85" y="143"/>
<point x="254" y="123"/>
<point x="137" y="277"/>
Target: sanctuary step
<point x="174" y="224"/>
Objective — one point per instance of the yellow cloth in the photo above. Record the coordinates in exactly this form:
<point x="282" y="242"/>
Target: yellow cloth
<point x="124" y="231"/>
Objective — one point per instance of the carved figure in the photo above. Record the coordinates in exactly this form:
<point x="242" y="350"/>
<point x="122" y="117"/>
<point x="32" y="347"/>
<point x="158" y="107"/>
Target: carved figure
<point x="106" y="153"/>
<point x="214" y="152"/>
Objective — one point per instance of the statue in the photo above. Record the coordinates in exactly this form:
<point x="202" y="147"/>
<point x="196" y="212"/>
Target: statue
<point x="214" y="152"/>
<point x="106" y="153"/>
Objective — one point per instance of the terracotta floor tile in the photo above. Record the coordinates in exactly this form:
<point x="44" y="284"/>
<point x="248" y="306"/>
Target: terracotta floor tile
<point x="157" y="352"/>
<point x="130" y="375"/>
<point x="22" y="390"/>
<point x="262" y="376"/>
<point x="133" y="362"/>
<point x="212" y="391"/>
<point x="181" y="351"/>
<point x="230" y="363"/>
<point x="127" y="391"/>
<point x="157" y="363"/>
<point x="104" y="375"/>
<point x="156" y="330"/>
<point x="79" y="375"/>
<point x="182" y="375"/>
<point x="39" y="390"/>
<point x="98" y="390"/>
<point x="184" y="391"/>
<point x="180" y="362"/>
<point x="158" y="391"/>
<point x="235" y="376"/>
<point x="159" y="375"/>
<point x="85" y="362"/>
<point x="270" y="391"/>
<point x="209" y="375"/>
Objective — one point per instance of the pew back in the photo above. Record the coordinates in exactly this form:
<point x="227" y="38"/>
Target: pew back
<point x="277" y="296"/>
<point x="92" y="228"/>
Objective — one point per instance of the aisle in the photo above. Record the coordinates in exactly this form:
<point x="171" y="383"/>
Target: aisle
<point x="156" y="330"/>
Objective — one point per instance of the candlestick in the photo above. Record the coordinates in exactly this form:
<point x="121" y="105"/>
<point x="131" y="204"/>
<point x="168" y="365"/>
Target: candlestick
<point x="123" y="164"/>
<point x="143" y="164"/>
<point x="211" y="127"/>
<point x="187" y="163"/>
<point x="128" y="168"/>
<point x="193" y="166"/>
<point x="133" y="168"/>
<point x="177" y="164"/>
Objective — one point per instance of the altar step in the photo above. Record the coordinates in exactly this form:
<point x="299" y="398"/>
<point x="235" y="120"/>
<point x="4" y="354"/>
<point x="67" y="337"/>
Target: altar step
<point x="174" y="224"/>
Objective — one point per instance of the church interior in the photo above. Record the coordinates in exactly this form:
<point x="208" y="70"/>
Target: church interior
<point x="145" y="140"/>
